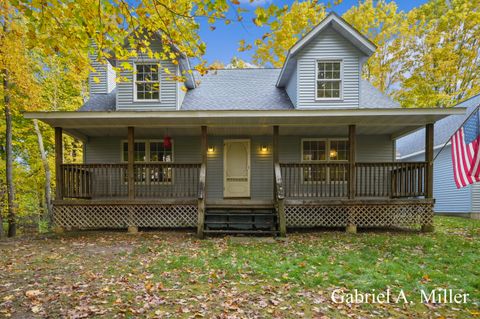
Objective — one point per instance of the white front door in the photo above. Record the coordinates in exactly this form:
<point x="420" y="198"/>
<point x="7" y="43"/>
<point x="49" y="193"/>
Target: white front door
<point x="236" y="168"/>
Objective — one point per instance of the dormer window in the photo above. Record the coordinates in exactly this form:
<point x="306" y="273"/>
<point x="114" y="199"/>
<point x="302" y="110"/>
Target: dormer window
<point x="329" y="80"/>
<point x="147" y="82"/>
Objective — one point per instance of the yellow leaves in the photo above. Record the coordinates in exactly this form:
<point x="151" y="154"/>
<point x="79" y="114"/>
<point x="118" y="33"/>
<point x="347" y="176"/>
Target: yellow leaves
<point x="33" y="294"/>
<point x="149" y="287"/>
<point x="426" y="278"/>
<point x="286" y="25"/>
<point x="96" y="79"/>
<point x="36" y="309"/>
<point x="242" y="46"/>
<point x="127" y="66"/>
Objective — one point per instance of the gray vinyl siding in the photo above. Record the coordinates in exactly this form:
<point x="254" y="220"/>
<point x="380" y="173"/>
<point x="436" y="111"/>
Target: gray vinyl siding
<point x="448" y="198"/>
<point x="374" y="148"/>
<point x="181" y="94"/>
<point x="168" y="86"/>
<point x="475" y="195"/>
<point x="100" y="150"/>
<point x="328" y="45"/>
<point x="370" y="148"/>
<point x="187" y="150"/>
<point x="291" y="87"/>
<point x="104" y="73"/>
<point x="261" y="165"/>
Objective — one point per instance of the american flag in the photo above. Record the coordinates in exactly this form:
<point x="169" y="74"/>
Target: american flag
<point x="465" y="151"/>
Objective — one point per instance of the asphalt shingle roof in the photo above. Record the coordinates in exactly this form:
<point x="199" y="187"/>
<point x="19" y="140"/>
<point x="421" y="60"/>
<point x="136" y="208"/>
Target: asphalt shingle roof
<point x="372" y="98"/>
<point x="100" y="102"/>
<point x="242" y="89"/>
<point x="443" y="130"/>
<point x="238" y="89"/>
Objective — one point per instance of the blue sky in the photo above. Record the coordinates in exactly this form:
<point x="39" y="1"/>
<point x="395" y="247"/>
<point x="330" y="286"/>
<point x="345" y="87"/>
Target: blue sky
<point x="222" y="44"/>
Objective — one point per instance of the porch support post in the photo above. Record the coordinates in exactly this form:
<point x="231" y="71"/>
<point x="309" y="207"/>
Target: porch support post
<point x="352" y="144"/>
<point x="429" y="141"/>
<point x="202" y="194"/>
<point x="279" y="200"/>
<point x="132" y="228"/>
<point x="131" y="159"/>
<point x="352" y="141"/>
<point x="58" y="164"/>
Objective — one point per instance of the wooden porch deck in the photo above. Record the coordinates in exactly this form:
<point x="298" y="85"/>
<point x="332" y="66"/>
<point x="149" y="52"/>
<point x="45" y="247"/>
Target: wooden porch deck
<point x="346" y="194"/>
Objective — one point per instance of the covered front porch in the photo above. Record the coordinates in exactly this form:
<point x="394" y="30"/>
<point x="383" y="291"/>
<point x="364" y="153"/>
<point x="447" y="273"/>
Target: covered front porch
<point x="311" y="169"/>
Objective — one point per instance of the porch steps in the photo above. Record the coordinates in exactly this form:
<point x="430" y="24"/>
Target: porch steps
<point x="241" y="220"/>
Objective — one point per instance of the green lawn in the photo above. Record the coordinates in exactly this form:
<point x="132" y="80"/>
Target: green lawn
<point x="172" y="274"/>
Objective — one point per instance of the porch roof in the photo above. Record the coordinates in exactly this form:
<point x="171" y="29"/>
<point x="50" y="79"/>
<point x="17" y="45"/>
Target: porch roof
<point x="396" y="122"/>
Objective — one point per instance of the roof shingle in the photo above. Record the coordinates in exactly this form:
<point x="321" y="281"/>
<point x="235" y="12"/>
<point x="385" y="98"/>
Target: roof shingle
<point x="238" y="89"/>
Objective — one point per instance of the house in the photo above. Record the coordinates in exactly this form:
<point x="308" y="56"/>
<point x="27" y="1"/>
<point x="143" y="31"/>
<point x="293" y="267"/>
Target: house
<point x="449" y="199"/>
<point x="256" y="150"/>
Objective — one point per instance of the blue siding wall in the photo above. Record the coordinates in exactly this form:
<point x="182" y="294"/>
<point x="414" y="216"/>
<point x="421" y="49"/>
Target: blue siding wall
<point x="291" y="87"/>
<point x="187" y="150"/>
<point x="168" y="86"/>
<point x="448" y="198"/>
<point x="329" y="45"/>
<point x="102" y="79"/>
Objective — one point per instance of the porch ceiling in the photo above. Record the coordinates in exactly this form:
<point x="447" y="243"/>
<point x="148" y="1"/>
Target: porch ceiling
<point x="395" y="122"/>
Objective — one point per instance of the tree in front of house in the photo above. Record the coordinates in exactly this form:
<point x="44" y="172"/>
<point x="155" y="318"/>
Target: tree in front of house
<point x="381" y="22"/>
<point x="442" y="54"/>
<point x="428" y="57"/>
<point x="286" y="25"/>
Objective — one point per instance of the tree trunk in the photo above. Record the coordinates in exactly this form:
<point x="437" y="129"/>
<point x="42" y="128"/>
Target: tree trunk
<point x="12" y="226"/>
<point x="48" y="175"/>
<point x="2" y="193"/>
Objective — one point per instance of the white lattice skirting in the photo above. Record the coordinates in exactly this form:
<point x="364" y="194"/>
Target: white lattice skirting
<point x="122" y="216"/>
<point x="368" y="215"/>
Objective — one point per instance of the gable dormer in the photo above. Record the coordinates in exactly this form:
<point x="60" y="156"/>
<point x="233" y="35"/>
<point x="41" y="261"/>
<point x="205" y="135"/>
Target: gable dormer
<point x="323" y="69"/>
<point x="151" y="84"/>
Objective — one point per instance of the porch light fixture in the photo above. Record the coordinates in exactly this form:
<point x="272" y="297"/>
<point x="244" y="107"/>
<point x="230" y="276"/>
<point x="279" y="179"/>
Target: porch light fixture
<point x="211" y="149"/>
<point x="263" y="148"/>
<point x="333" y="153"/>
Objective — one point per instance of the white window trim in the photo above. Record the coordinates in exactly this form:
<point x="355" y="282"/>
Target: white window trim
<point x="134" y="78"/>
<point x="327" y="145"/>
<point x="147" y="159"/>
<point x="326" y="160"/>
<point x="324" y="99"/>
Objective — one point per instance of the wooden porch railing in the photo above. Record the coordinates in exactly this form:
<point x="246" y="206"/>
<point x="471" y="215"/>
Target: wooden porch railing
<point x="331" y="180"/>
<point x="315" y="179"/>
<point x="391" y="179"/>
<point x="152" y="180"/>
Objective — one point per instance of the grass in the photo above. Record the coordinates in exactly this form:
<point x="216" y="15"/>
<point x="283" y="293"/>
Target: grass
<point x="172" y="274"/>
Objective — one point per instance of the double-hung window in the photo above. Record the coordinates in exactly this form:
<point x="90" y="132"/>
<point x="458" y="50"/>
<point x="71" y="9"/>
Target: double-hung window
<point x="315" y="150"/>
<point x="150" y="152"/>
<point x="147" y="82"/>
<point x="329" y="80"/>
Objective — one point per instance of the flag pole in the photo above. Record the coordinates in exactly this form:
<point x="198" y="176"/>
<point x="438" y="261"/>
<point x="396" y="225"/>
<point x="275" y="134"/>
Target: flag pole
<point x="473" y="112"/>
